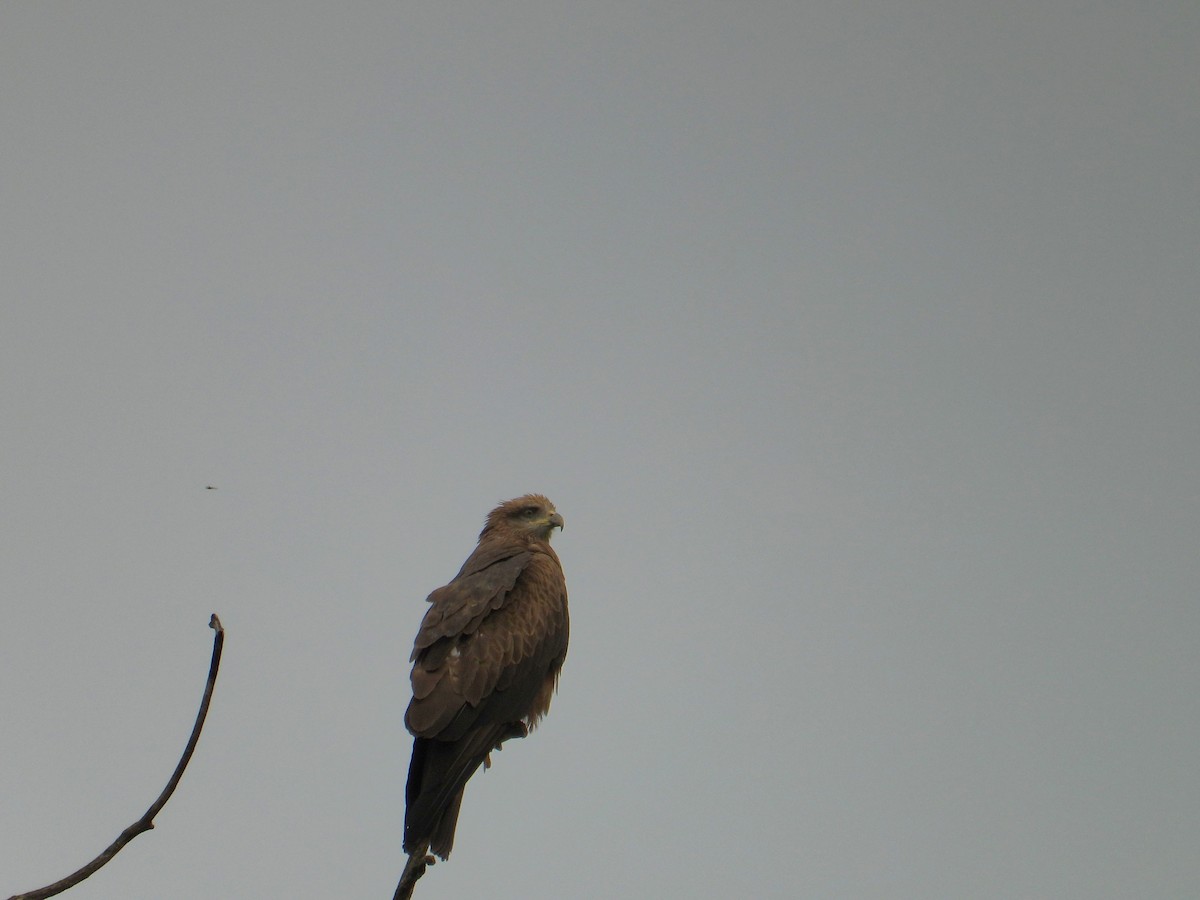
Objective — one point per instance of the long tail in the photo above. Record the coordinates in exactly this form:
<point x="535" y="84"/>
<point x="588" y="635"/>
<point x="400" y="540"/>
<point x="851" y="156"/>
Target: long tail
<point x="437" y="776"/>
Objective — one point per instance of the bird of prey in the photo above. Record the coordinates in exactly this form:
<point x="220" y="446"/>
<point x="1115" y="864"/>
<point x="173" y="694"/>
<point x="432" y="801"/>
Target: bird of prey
<point x="485" y="664"/>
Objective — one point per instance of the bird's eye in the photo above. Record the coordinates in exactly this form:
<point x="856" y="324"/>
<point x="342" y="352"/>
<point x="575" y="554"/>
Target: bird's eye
<point x="529" y="512"/>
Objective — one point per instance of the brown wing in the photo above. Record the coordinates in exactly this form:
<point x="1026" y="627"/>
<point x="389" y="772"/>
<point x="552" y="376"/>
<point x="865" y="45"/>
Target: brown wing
<point x="485" y="663"/>
<point x="486" y="644"/>
<point x="458" y="608"/>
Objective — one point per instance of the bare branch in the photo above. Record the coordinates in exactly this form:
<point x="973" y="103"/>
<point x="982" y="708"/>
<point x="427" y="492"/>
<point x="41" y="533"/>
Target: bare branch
<point x="414" y="869"/>
<point x="146" y="822"/>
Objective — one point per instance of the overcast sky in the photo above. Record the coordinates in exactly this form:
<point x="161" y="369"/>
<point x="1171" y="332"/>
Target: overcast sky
<point x="857" y="342"/>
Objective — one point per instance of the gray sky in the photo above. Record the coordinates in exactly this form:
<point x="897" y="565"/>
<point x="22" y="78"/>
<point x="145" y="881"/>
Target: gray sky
<point x="858" y="343"/>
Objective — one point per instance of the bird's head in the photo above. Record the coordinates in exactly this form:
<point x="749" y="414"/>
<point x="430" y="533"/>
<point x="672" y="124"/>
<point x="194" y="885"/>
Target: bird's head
<point x="532" y="516"/>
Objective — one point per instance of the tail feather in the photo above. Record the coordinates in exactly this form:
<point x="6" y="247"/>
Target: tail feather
<point x="437" y="776"/>
<point x="442" y="839"/>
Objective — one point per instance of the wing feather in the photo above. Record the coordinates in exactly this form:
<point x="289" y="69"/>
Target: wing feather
<point x="485" y="643"/>
<point x="460" y="606"/>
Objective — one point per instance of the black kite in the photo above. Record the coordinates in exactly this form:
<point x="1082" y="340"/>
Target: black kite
<point x="485" y="663"/>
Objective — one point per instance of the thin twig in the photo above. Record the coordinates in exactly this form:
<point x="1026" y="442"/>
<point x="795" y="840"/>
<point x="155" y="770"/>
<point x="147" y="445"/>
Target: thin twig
<point x="146" y="822"/>
<point x="414" y="869"/>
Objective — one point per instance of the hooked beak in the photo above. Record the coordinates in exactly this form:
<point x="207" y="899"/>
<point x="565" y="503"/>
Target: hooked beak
<point x="556" y="521"/>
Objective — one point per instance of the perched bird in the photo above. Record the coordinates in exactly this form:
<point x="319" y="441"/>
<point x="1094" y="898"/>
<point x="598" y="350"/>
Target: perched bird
<point x="485" y="664"/>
